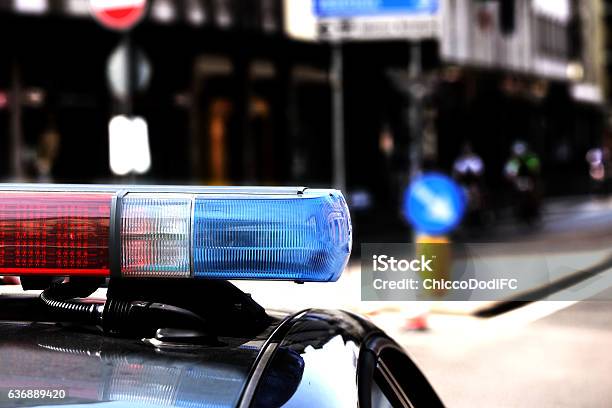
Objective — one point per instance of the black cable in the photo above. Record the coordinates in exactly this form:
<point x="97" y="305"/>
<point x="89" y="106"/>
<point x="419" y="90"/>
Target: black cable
<point x="142" y="318"/>
<point x="119" y="317"/>
<point x="58" y="299"/>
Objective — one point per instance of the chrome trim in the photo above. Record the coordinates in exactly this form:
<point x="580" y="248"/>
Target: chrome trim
<point x="397" y="389"/>
<point x="261" y="365"/>
<point x="155" y="189"/>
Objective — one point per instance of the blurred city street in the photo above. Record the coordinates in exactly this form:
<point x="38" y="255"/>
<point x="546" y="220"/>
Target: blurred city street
<point x="483" y="125"/>
<point x="545" y="354"/>
<point x="573" y="218"/>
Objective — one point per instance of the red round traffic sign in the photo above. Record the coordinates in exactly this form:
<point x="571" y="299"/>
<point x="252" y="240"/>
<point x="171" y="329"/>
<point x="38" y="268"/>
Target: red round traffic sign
<point x="118" y="14"/>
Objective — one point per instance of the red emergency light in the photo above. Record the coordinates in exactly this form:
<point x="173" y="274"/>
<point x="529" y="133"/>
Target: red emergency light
<point x="54" y="233"/>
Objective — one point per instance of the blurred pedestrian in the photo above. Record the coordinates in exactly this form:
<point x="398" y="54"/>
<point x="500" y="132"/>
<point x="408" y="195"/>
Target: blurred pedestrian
<point x="468" y="171"/>
<point x="598" y="159"/>
<point x="46" y="154"/>
<point x="523" y="172"/>
<point x="468" y="165"/>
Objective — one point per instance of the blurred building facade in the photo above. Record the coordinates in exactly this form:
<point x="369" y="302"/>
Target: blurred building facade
<point x="234" y="99"/>
<point x="531" y="70"/>
<point x="217" y="107"/>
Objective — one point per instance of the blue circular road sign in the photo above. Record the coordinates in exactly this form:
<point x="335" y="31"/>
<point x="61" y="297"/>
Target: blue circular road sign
<point x="434" y="204"/>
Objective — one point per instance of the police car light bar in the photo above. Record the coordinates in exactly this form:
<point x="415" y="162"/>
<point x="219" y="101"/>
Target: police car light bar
<point x="281" y="233"/>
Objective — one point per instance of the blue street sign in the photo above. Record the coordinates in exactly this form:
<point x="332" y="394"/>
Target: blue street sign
<point x="434" y="204"/>
<point x="361" y="8"/>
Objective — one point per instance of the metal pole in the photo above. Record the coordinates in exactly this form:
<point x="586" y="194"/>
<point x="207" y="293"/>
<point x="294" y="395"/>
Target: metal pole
<point x="415" y="111"/>
<point x="16" y="148"/>
<point x="338" y="161"/>
<point x="415" y="67"/>
<point x="130" y="74"/>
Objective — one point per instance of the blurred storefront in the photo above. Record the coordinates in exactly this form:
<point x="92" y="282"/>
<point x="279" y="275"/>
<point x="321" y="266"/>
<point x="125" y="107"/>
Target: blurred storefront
<point x="240" y="92"/>
<point x="230" y="98"/>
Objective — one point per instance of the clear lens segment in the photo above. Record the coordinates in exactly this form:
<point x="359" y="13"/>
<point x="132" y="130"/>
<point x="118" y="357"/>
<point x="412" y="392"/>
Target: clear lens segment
<point x="156" y="235"/>
<point x="299" y="238"/>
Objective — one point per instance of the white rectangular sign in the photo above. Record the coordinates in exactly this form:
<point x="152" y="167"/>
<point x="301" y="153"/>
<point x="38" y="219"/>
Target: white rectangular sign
<point x="336" y="20"/>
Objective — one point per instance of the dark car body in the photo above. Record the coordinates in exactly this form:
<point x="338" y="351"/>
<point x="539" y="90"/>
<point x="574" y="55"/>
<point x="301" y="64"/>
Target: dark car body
<point x="315" y="358"/>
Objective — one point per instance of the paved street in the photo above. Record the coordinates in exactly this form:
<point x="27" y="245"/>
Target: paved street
<point x="563" y="219"/>
<point x="561" y="360"/>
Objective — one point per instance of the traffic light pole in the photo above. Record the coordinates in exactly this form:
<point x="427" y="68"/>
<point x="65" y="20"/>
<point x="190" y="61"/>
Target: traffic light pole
<point x="415" y="110"/>
<point x="338" y="160"/>
<point x="16" y="109"/>
<point x="130" y="74"/>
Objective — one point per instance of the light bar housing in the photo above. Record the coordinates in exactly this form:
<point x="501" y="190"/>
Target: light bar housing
<point x="266" y="233"/>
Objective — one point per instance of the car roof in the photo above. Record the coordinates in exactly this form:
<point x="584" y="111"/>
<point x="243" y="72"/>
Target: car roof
<point x="92" y="367"/>
<point x="95" y="368"/>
